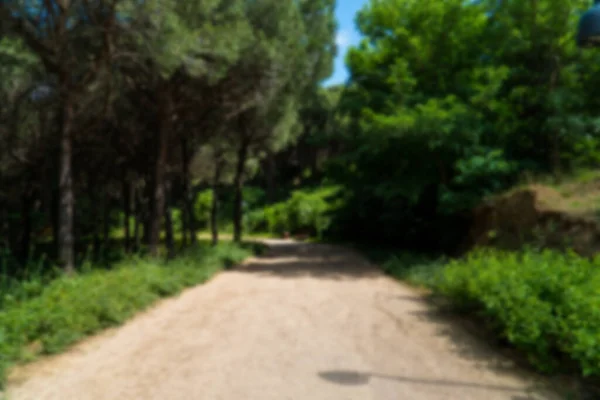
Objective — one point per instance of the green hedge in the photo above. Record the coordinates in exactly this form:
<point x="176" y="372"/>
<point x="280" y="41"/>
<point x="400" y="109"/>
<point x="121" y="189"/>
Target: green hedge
<point x="546" y="304"/>
<point x="67" y="309"/>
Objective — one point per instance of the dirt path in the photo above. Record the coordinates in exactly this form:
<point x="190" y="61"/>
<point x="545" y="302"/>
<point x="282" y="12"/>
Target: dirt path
<point x="305" y="322"/>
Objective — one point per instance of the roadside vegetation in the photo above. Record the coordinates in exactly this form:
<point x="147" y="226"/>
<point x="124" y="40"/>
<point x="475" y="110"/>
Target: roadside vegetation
<point x="543" y="303"/>
<point x="43" y="314"/>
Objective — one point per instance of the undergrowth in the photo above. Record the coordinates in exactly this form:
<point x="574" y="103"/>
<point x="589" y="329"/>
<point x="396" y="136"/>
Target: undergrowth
<point x="544" y="303"/>
<point x="305" y="211"/>
<point x="38" y="316"/>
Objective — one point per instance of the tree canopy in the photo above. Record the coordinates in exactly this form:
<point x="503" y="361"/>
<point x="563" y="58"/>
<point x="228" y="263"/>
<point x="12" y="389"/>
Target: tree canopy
<point x="117" y="114"/>
<point x="108" y="102"/>
<point x="448" y="102"/>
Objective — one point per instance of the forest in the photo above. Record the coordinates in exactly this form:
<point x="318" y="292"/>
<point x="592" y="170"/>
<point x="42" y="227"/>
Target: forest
<point x="130" y="129"/>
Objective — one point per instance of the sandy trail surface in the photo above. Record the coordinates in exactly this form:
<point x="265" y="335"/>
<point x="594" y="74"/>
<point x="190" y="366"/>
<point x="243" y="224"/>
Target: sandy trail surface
<point x="303" y="322"/>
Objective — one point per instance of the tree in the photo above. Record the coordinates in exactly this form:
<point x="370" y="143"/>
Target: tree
<point x="177" y="42"/>
<point x="73" y="42"/>
<point x="111" y="101"/>
<point x="291" y="53"/>
<point x="446" y="103"/>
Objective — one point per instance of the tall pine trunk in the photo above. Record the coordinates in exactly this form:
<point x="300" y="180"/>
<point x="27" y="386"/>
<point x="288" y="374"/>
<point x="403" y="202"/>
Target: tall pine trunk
<point x="137" y="219"/>
<point x="127" y="214"/>
<point x="188" y="205"/>
<point x="54" y="201"/>
<point x="66" y="251"/>
<point x="270" y="176"/>
<point x="146" y="207"/>
<point x="214" y="209"/>
<point x="160" y="171"/>
<point x="238" y="184"/>
<point x="169" y="240"/>
<point x="554" y="145"/>
<point x="4" y="229"/>
<point x="26" y="225"/>
<point x="93" y="198"/>
<point x="105" y="221"/>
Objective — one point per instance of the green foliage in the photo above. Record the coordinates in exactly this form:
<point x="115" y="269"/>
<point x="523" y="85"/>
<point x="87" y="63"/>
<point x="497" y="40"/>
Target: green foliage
<point x="306" y="211"/>
<point x="57" y="313"/>
<point x="254" y="197"/>
<point x="446" y="104"/>
<point x="483" y="172"/>
<point x="202" y="207"/>
<point x="546" y="303"/>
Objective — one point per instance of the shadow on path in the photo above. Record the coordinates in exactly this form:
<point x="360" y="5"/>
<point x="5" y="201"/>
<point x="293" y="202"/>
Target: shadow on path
<point x="351" y="378"/>
<point x="295" y="259"/>
<point x="478" y="344"/>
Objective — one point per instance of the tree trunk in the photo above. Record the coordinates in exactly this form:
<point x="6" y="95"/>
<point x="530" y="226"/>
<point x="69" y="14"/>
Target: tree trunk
<point x="160" y="170"/>
<point x="4" y="229"/>
<point x="105" y="221"/>
<point x="188" y="205"/>
<point x="184" y="227"/>
<point x="137" y="220"/>
<point x="270" y="175"/>
<point x="146" y="221"/>
<point x="12" y="234"/>
<point x="147" y="205"/>
<point x="192" y="223"/>
<point x="54" y="219"/>
<point x="238" y="184"/>
<point x="26" y="226"/>
<point x="555" y="135"/>
<point x="127" y="214"/>
<point x="214" y="209"/>
<point x="66" y="251"/>
<point x="94" y="217"/>
<point x="170" y="243"/>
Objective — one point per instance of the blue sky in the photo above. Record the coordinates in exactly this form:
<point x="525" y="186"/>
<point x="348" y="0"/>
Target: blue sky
<point x="347" y="36"/>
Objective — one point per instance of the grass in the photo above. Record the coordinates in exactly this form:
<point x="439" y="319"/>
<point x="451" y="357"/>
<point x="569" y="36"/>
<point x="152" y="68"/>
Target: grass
<point x="44" y="315"/>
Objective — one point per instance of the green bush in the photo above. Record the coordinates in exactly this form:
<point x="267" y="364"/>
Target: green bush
<point x="304" y="211"/>
<point x="69" y="308"/>
<point x="202" y="208"/>
<point x="546" y="304"/>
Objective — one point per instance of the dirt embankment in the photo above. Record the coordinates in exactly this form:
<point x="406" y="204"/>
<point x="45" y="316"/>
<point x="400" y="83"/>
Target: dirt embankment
<point x="561" y="217"/>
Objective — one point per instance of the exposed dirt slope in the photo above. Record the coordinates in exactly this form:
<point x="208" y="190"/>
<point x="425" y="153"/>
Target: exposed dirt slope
<point x="561" y="217"/>
<point x="303" y="322"/>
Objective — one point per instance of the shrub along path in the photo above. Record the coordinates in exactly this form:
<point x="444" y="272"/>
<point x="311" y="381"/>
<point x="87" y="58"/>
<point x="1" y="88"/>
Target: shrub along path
<point x="304" y="321"/>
